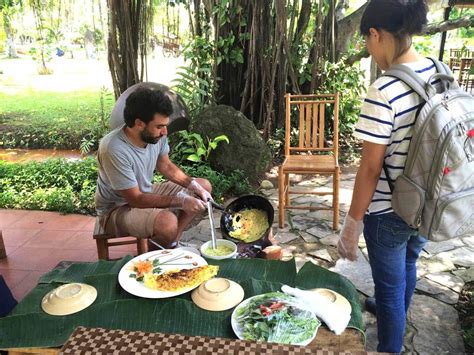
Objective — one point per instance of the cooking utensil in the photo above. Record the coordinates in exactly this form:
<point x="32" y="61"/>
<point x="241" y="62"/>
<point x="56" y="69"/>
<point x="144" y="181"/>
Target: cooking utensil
<point x="211" y="222"/>
<point x="244" y="203"/>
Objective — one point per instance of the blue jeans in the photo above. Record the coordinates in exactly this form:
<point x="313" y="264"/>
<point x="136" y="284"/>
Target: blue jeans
<point x="393" y="249"/>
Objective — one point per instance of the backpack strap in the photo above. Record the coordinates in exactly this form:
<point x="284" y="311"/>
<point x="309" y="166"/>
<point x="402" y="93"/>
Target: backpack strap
<point x="412" y="79"/>
<point x="440" y="66"/>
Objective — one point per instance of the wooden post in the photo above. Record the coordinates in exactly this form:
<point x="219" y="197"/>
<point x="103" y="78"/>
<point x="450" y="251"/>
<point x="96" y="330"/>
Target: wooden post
<point x="3" y="252"/>
<point x="447" y="10"/>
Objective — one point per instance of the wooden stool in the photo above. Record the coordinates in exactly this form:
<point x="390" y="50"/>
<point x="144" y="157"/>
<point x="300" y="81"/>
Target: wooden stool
<point x="3" y="252"/>
<point x="104" y="241"/>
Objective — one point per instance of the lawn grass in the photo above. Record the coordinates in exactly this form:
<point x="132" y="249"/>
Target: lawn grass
<point x="33" y="119"/>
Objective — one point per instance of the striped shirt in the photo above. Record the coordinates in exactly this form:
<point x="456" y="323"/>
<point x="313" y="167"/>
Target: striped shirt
<point x="387" y="117"/>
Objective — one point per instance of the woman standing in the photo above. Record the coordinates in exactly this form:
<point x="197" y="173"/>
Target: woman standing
<point x="385" y="126"/>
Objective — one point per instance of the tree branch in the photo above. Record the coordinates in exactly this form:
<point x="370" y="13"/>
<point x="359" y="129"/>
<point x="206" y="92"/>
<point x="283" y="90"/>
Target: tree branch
<point x="346" y="29"/>
<point x="342" y="5"/>
<point x="431" y="29"/>
<point x="364" y="53"/>
<point x="467" y="21"/>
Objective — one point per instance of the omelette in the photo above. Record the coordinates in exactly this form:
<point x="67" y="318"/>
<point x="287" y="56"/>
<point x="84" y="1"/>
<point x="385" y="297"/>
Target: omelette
<point x="249" y="225"/>
<point x="180" y="279"/>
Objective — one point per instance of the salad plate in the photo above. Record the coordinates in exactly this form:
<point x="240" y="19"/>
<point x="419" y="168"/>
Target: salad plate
<point x="275" y="318"/>
<point x="133" y="275"/>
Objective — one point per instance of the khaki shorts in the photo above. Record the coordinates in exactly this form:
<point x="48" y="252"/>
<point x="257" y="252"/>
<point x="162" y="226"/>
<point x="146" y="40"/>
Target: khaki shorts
<point x="138" y="222"/>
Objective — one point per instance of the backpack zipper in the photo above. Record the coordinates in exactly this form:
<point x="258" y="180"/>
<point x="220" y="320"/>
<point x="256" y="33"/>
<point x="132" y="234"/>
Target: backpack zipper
<point x="433" y="174"/>
<point x="442" y="206"/>
<point x="417" y="137"/>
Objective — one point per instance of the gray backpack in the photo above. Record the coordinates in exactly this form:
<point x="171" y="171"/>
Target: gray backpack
<point x="435" y="193"/>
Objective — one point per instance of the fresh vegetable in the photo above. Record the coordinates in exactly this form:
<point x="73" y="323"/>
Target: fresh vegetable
<point x="141" y="268"/>
<point x="275" y="317"/>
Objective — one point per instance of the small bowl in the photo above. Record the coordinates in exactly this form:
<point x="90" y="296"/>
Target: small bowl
<point x="227" y="243"/>
<point x="68" y="299"/>
<point x="218" y="294"/>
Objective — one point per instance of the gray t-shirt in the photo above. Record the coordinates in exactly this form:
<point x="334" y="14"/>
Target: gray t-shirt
<point x="122" y="165"/>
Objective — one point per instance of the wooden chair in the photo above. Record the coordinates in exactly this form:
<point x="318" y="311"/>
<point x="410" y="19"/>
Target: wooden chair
<point x="466" y="74"/>
<point x="104" y="241"/>
<point x="3" y="252"/>
<point x="315" y="152"/>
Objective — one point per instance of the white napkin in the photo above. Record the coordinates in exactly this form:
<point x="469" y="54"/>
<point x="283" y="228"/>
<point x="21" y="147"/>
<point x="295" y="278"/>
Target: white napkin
<point x="335" y="317"/>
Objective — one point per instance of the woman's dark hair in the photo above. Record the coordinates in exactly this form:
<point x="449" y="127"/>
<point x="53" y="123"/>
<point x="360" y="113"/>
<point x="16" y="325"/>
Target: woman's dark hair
<point x="144" y="103"/>
<point x="401" y="18"/>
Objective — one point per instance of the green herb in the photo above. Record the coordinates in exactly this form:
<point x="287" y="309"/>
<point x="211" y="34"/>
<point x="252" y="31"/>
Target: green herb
<point x="273" y="317"/>
<point x="133" y="276"/>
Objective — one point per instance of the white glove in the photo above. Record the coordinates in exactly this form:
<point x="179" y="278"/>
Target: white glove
<point x="200" y="191"/>
<point x="349" y="238"/>
<point x="189" y="203"/>
<point x="335" y="318"/>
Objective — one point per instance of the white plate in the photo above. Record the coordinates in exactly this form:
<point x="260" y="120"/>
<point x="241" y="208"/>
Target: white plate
<point x="238" y="330"/>
<point x="137" y="288"/>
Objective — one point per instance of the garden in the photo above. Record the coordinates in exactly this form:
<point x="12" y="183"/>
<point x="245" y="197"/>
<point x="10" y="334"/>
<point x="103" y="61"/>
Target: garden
<point x="65" y="63"/>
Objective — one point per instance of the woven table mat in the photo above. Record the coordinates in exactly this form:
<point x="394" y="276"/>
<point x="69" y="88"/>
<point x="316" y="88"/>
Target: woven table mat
<point x="101" y="341"/>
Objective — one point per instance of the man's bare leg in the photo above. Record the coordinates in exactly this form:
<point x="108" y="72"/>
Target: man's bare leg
<point x="165" y="228"/>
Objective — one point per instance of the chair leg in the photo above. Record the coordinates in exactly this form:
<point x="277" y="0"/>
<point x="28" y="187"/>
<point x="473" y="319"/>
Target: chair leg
<point x="102" y="249"/>
<point x="142" y="245"/>
<point x="335" y="199"/>
<point x="281" y="198"/>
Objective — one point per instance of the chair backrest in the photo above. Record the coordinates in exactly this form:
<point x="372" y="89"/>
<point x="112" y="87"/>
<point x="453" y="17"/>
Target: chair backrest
<point x="455" y="53"/>
<point x="310" y="111"/>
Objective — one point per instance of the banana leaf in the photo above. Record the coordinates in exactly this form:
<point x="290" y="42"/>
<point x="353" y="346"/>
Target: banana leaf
<point x="29" y="326"/>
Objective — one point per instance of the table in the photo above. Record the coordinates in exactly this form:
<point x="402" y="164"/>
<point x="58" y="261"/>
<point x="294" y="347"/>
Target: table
<point x="97" y="340"/>
<point x="180" y="315"/>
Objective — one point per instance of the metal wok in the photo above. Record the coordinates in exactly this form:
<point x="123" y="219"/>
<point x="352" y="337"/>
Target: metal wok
<point x="244" y="203"/>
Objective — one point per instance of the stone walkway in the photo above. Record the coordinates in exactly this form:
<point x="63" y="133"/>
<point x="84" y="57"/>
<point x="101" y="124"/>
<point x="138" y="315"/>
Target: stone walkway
<point x="433" y="323"/>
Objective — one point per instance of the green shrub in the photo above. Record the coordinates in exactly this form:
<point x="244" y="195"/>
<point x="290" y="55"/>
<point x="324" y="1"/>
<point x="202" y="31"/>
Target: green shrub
<point x="69" y="186"/>
<point x="52" y="185"/>
<point x="233" y="184"/>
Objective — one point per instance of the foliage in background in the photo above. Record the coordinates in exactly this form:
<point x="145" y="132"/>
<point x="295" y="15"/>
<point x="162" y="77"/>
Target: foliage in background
<point x="190" y="152"/>
<point x="195" y="82"/>
<point x="52" y="185"/>
<point x="69" y="186"/>
<point x="33" y="119"/>
<point x="101" y="124"/>
<point x="348" y="81"/>
<point x="190" y="147"/>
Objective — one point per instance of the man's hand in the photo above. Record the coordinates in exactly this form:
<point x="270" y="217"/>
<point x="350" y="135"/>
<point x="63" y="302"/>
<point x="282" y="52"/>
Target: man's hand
<point x="189" y="203"/>
<point x="349" y="238"/>
<point x="200" y="191"/>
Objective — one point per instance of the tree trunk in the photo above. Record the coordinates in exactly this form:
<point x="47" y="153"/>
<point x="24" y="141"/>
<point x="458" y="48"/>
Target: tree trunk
<point x="11" y="49"/>
<point x="128" y="32"/>
<point x="346" y="29"/>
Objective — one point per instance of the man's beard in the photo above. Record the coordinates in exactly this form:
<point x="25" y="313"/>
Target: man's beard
<point x="148" y="138"/>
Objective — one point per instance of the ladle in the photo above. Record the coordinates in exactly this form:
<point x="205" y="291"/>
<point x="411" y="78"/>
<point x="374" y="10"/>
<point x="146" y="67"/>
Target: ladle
<point x="211" y="222"/>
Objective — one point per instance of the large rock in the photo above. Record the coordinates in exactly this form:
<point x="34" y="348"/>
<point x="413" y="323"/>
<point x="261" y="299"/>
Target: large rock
<point x="246" y="151"/>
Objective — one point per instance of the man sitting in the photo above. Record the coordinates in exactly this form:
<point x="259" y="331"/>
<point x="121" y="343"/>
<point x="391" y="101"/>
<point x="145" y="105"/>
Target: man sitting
<point x="127" y="201"/>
